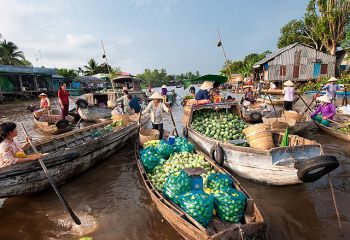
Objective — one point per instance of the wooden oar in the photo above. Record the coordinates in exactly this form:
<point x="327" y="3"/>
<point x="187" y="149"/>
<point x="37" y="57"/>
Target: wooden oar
<point x="273" y="106"/>
<point x="60" y="196"/>
<point x="308" y="106"/>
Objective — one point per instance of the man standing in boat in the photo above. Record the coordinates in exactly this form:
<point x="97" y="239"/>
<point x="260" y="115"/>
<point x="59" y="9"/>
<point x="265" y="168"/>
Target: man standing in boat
<point x="63" y="99"/>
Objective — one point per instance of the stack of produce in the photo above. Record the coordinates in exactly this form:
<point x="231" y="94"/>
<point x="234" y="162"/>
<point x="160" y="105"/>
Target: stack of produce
<point x="151" y="143"/>
<point x="176" y="162"/>
<point x="183" y="145"/>
<point x="198" y="205"/>
<point x="345" y="128"/>
<point x="229" y="204"/>
<point x="219" y="180"/>
<point x="150" y="158"/>
<point x="218" y="125"/>
<point x="177" y="183"/>
<point x="117" y="123"/>
<point x="165" y="149"/>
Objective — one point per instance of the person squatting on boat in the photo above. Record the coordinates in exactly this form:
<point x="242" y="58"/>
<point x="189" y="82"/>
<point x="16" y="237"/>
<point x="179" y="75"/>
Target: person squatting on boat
<point x="327" y="110"/>
<point x="63" y="99"/>
<point x="10" y="152"/>
<point x="331" y="89"/>
<point x="249" y="95"/>
<point x="44" y="101"/>
<point x="156" y="108"/>
<point x="203" y="93"/>
<point x="288" y="92"/>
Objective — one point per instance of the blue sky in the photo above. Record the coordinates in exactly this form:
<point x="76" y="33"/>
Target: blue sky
<point x="178" y="35"/>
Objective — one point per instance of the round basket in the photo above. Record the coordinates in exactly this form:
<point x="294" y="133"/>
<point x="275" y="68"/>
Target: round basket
<point x="259" y="136"/>
<point x="279" y="126"/>
<point x="291" y="115"/>
<point x="40" y="112"/>
<point x="147" y="135"/>
<point x="123" y="117"/>
<point x="134" y="117"/>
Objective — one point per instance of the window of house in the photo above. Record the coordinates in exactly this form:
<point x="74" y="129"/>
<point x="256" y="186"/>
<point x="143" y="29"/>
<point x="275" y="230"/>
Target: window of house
<point x="324" y="68"/>
<point x="283" y="70"/>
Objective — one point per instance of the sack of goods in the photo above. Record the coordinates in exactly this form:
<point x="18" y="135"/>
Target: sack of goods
<point x="219" y="180"/>
<point x="151" y="143"/>
<point x="177" y="183"/>
<point x="229" y="204"/>
<point x="198" y="205"/>
<point x="150" y="158"/>
<point x="165" y="149"/>
<point x="182" y="145"/>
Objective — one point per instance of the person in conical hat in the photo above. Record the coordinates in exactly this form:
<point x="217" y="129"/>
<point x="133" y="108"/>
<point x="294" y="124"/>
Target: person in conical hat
<point x="44" y="101"/>
<point x="288" y="98"/>
<point x="331" y="88"/>
<point x="156" y="108"/>
<point x="324" y="112"/>
<point x="203" y="93"/>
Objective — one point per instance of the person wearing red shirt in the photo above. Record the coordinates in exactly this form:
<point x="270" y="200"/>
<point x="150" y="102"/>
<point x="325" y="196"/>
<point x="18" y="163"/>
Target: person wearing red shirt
<point x="63" y="99"/>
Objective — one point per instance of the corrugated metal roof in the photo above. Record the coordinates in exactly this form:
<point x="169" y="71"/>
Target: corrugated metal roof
<point x="273" y="55"/>
<point x="26" y="70"/>
<point x="88" y="79"/>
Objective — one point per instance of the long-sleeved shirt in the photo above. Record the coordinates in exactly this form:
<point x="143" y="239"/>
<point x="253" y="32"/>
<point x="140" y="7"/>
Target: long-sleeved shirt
<point x="134" y="104"/>
<point x="288" y="94"/>
<point x="202" y="95"/>
<point x="156" y="112"/>
<point x="331" y="90"/>
<point x="8" y="149"/>
<point x="64" y="96"/>
<point x="327" y="111"/>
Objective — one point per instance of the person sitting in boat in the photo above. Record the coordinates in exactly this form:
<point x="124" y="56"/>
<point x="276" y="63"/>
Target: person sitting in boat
<point x="124" y="99"/>
<point x="203" y="93"/>
<point x="249" y="95"/>
<point x="164" y="92"/>
<point x="156" y="108"/>
<point x="44" y="101"/>
<point x="118" y="110"/>
<point x="331" y="89"/>
<point x="327" y="110"/>
<point x="288" y="92"/>
<point x="272" y="85"/>
<point x="134" y="105"/>
<point x="63" y="99"/>
<point x="192" y="91"/>
<point x="260" y="87"/>
<point x="10" y="152"/>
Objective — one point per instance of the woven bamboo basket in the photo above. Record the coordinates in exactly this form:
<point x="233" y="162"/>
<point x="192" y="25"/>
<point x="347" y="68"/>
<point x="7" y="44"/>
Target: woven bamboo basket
<point x="279" y="126"/>
<point x="291" y="115"/>
<point x="148" y="135"/>
<point x="123" y="117"/>
<point x="40" y="112"/>
<point x="134" y="117"/>
<point x="259" y="136"/>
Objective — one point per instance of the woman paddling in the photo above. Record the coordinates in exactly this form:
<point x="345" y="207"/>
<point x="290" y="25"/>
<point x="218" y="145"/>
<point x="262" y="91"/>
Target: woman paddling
<point x="156" y="108"/>
<point x="327" y="110"/>
<point x="10" y="152"/>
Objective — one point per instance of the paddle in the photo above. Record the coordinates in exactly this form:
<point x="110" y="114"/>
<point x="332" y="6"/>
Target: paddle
<point x="273" y="106"/>
<point x="313" y="99"/>
<point x="60" y="196"/>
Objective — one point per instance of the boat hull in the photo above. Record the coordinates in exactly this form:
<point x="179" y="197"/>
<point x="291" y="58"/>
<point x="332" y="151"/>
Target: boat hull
<point x="333" y="132"/>
<point x="94" y="114"/>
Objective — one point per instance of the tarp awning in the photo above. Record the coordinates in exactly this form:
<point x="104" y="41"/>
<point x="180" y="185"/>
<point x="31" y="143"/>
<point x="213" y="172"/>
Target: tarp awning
<point x="208" y="77"/>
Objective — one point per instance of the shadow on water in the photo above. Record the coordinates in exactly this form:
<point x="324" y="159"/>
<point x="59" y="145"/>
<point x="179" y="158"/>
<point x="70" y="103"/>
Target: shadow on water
<point x="113" y="203"/>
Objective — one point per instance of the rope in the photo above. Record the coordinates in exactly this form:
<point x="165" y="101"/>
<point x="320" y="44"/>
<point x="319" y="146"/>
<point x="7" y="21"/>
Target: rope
<point x="241" y="232"/>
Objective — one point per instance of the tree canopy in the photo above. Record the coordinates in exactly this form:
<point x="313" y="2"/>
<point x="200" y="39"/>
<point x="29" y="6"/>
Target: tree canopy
<point x="67" y="73"/>
<point x="10" y="54"/>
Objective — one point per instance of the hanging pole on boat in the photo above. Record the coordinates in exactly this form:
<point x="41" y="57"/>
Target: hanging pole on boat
<point x="220" y="44"/>
<point x="60" y="196"/>
<point x="109" y="71"/>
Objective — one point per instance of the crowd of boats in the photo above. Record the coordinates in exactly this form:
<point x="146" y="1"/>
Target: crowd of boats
<point x="284" y="158"/>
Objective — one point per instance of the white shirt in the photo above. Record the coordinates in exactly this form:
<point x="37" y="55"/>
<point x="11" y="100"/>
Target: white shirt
<point x="288" y="94"/>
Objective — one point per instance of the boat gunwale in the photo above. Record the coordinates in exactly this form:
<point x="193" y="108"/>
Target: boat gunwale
<point x="334" y="132"/>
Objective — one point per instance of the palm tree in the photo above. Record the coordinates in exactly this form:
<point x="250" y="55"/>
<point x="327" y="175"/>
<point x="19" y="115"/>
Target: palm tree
<point x="9" y="54"/>
<point x="91" y="68"/>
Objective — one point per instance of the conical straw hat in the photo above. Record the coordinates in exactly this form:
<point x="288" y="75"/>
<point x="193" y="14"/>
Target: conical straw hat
<point x="289" y="83"/>
<point x="323" y="98"/>
<point x="206" y="85"/>
<point x="156" y="95"/>
<point x="332" y="79"/>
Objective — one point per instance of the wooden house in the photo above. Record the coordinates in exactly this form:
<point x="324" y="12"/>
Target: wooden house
<point x="297" y="62"/>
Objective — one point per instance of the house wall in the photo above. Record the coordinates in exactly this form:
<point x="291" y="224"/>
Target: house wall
<point x="306" y="64"/>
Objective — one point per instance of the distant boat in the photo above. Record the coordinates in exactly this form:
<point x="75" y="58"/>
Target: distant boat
<point x="324" y="92"/>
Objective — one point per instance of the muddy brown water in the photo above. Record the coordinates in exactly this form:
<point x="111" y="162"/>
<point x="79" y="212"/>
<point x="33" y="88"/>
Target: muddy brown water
<point x="112" y="202"/>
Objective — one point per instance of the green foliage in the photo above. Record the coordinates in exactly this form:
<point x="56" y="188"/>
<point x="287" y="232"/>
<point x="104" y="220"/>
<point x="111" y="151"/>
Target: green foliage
<point x="67" y="73"/>
<point x="10" y="55"/>
<point x="91" y="68"/>
<point x="316" y="85"/>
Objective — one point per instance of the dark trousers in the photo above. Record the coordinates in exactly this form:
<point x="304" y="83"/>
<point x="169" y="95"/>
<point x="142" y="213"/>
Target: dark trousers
<point x="288" y="105"/>
<point x="159" y="127"/>
<point x="65" y="110"/>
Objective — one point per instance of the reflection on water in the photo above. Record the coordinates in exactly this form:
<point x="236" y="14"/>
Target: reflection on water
<point x="112" y="202"/>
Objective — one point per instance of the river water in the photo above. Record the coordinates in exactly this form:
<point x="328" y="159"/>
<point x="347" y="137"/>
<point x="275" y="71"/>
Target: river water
<point x="113" y="203"/>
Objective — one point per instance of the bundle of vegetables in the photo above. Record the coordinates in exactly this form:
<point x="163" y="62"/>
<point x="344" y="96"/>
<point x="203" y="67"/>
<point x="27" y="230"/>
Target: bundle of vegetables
<point x="219" y="180"/>
<point x="198" y="205"/>
<point x="177" y="183"/>
<point x="219" y="125"/>
<point x="150" y="158"/>
<point x="183" y="145"/>
<point x="229" y="204"/>
<point x="165" y="149"/>
<point x="176" y="162"/>
<point x="151" y="143"/>
<point x="345" y="128"/>
<point x="117" y="123"/>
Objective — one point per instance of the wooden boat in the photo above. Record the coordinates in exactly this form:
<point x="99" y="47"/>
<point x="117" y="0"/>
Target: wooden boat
<point x="252" y="228"/>
<point x="333" y="130"/>
<point x="277" y="166"/>
<point x="48" y="123"/>
<point x="94" y="114"/>
<point x="276" y="91"/>
<point x="294" y="126"/>
<point x="68" y="155"/>
<point x="275" y="101"/>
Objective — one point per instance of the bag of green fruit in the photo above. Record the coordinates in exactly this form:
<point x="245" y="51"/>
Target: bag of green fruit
<point x="165" y="149"/>
<point x="198" y="205"/>
<point x="229" y="204"/>
<point x="176" y="184"/>
<point x="183" y="145"/>
<point x="150" y="158"/>
<point x="151" y="143"/>
<point x="219" y="180"/>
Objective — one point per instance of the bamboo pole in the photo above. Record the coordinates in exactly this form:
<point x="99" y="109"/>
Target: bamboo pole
<point x="109" y="71"/>
<point x="224" y="52"/>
